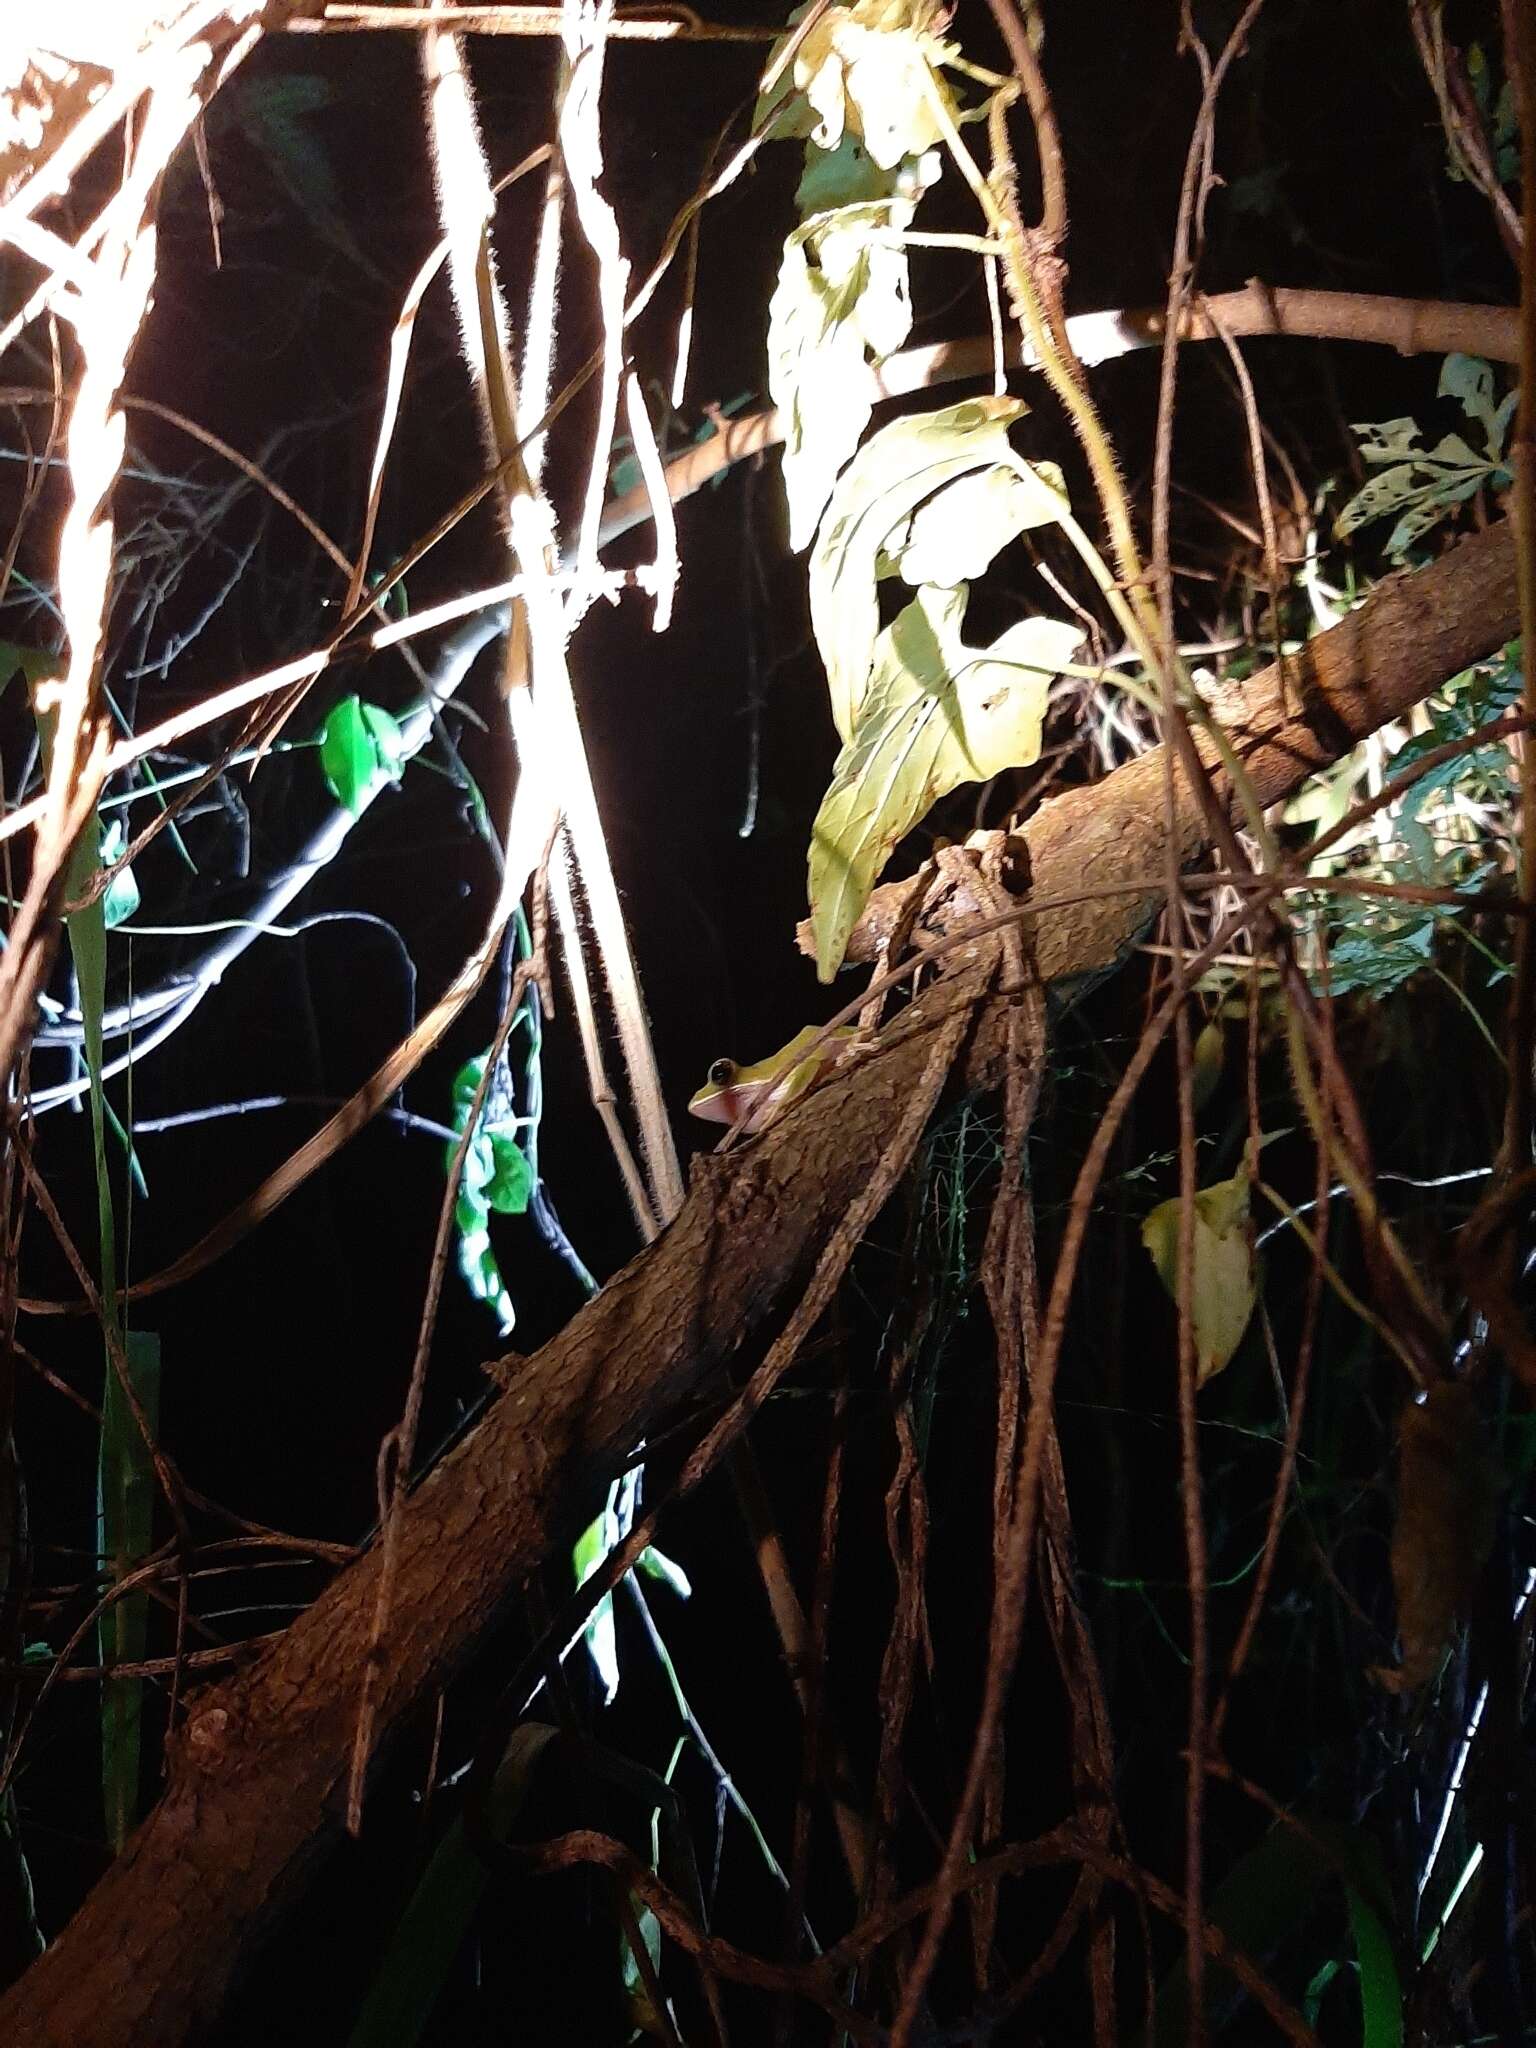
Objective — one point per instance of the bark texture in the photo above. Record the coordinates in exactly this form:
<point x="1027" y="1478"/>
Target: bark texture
<point x="259" y="1769"/>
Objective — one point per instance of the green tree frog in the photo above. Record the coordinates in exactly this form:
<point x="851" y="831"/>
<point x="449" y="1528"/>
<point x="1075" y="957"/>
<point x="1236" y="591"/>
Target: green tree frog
<point x="750" y="1096"/>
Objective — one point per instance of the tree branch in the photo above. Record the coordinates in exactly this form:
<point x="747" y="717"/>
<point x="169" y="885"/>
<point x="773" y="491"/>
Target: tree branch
<point x="258" y="1770"/>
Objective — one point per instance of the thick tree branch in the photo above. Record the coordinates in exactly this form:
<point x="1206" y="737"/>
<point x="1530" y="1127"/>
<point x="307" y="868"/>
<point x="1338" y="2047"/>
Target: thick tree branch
<point x="258" y="1770"/>
<point x="1415" y="631"/>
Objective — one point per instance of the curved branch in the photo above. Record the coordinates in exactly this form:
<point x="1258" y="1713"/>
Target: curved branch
<point x="1408" y="325"/>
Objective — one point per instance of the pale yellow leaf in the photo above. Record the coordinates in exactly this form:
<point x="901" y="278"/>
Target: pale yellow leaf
<point x="937" y="713"/>
<point x="1225" y="1275"/>
<point x="874" y="498"/>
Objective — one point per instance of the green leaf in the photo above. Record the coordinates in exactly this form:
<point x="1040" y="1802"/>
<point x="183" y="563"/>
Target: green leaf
<point x="1377" y="497"/>
<point x="510" y="1186"/>
<point x="120" y="899"/>
<point x="1378" y="951"/>
<point x="937" y="713"/>
<point x="432" y="1929"/>
<point x="1423" y="484"/>
<point x="360" y="750"/>
<point x="1469" y="380"/>
<point x="1381" y="1990"/>
<point x="595" y="1542"/>
<point x="874" y="499"/>
<point x="1268" y="1899"/>
<point x="656" y="1565"/>
<point x="1224" y="1283"/>
<point x="125" y="1519"/>
<point x="1387" y="440"/>
<point x="32" y="664"/>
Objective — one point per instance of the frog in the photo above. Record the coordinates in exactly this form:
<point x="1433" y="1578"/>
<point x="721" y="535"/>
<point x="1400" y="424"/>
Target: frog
<point x="750" y="1096"/>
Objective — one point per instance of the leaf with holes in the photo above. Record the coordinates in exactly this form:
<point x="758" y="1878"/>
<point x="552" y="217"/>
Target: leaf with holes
<point x="953" y="537"/>
<point x="865" y="69"/>
<point x="867" y="526"/>
<point x="1422" y="486"/>
<point x="841" y="303"/>
<point x="937" y="713"/>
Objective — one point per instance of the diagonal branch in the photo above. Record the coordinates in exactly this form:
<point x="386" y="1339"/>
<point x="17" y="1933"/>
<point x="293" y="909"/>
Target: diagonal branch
<point x="256" y="1781"/>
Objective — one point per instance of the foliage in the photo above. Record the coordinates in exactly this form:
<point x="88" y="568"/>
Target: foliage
<point x="932" y="499"/>
<point x="1425" y="839"/>
<point x="1421" y="486"/>
<point x="1224" y="1276"/>
<point x="360" y="751"/>
<point x="495" y="1179"/>
<point x="1252" y="1656"/>
<point x="933" y="713"/>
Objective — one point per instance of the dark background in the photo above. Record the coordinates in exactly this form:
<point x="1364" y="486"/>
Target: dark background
<point x="286" y="1363"/>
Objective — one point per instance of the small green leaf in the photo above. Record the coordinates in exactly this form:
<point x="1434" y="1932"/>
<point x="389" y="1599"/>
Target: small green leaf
<point x="121" y="897"/>
<point x="656" y="1565"/>
<point x="1387" y="440"/>
<point x="1225" y="1277"/>
<point x="1381" y="1988"/>
<point x="510" y="1187"/>
<point x="360" y="750"/>
<point x="1469" y="380"/>
<point x="1377" y="951"/>
<point x="592" y="1546"/>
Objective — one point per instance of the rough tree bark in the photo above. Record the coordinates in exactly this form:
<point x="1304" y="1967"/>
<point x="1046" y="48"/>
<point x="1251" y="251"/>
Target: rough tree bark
<point x="256" y="1783"/>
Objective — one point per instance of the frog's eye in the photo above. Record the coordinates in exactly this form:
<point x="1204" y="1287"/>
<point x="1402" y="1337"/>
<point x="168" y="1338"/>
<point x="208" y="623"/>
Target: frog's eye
<point x="722" y="1073"/>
